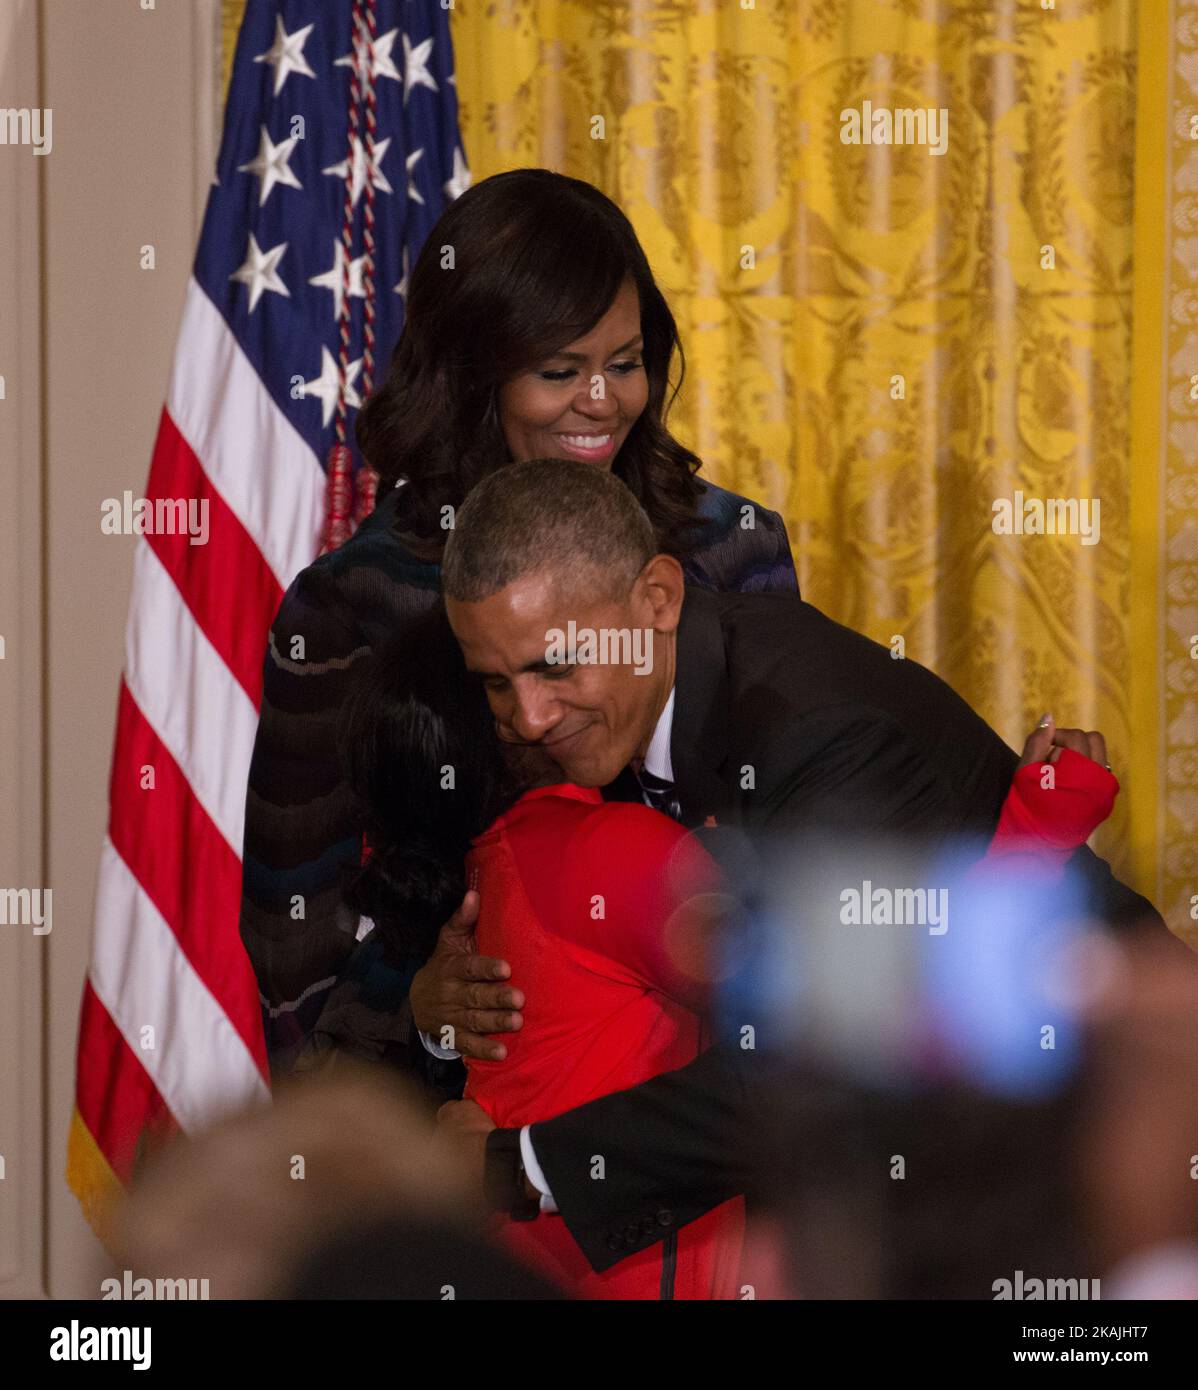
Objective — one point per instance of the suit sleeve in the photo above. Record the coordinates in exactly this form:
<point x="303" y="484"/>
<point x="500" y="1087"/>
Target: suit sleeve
<point x="860" y="772"/>
<point x="1111" y="900"/>
<point x="672" y="1148"/>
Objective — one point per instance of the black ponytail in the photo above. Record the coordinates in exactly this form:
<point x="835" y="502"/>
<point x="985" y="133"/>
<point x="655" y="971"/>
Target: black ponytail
<point x="419" y="751"/>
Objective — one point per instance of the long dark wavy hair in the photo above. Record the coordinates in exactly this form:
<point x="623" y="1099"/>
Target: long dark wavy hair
<point x="538" y="259"/>
<point x="418" y="746"/>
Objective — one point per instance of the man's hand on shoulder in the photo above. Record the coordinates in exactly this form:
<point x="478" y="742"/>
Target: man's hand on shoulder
<point x="455" y="996"/>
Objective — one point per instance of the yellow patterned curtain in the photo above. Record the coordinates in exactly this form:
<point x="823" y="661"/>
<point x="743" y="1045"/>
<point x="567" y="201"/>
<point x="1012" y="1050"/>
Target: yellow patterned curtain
<point x="883" y="342"/>
<point x="1163" y="626"/>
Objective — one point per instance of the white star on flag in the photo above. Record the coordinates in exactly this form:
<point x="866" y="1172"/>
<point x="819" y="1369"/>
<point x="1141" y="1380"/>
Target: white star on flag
<point x="287" y="55"/>
<point x="270" y="165"/>
<point x="402" y="288"/>
<point x="334" y="278"/>
<point x="381" y="62"/>
<point x="260" y="271"/>
<point x="416" y="73"/>
<point x="377" y="177"/>
<point x="328" y="385"/>
<point x="460" y="180"/>
<point x="410" y="164"/>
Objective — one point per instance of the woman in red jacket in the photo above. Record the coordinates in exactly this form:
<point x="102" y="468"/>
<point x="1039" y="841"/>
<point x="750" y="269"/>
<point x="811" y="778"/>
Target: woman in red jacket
<point x="602" y="908"/>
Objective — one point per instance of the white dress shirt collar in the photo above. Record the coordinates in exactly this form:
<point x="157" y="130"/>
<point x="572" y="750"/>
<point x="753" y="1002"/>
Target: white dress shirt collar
<point x="657" y="755"/>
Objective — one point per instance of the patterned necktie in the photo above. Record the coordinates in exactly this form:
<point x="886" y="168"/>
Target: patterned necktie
<point x="660" y="794"/>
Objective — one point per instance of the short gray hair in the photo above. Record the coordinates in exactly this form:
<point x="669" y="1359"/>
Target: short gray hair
<point x="555" y="515"/>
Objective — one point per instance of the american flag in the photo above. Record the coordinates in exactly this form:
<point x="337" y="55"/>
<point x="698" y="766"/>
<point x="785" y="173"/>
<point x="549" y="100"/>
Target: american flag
<point x="340" y="150"/>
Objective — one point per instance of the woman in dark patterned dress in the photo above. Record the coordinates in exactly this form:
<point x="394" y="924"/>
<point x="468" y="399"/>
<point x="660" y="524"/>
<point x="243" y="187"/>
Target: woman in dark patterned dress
<point x="534" y="329"/>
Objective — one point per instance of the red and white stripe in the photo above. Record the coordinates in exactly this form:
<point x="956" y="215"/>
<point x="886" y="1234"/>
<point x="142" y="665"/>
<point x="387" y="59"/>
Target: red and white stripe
<point x="170" y="1030"/>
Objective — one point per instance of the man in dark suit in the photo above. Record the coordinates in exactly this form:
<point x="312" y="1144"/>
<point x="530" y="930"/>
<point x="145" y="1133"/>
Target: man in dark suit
<point x="755" y="710"/>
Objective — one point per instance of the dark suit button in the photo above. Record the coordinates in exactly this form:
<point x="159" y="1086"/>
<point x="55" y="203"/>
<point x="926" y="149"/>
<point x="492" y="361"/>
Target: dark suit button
<point x="648" y="1225"/>
<point x="632" y="1232"/>
<point x="665" y="1217"/>
<point x="615" y="1242"/>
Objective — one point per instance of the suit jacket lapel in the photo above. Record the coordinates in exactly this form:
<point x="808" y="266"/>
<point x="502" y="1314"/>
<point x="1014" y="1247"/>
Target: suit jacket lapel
<point x="699" y="737"/>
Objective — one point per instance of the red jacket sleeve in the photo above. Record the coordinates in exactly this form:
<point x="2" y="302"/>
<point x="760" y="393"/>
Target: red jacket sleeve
<point x="1050" y="818"/>
<point x="644" y="900"/>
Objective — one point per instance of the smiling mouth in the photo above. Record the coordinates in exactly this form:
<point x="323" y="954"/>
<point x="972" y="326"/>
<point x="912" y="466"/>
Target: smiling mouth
<point x="588" y="446"/>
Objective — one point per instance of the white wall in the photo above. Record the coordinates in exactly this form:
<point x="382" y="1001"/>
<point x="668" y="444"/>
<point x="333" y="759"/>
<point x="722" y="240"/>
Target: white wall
<point x="86" y="338"/>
